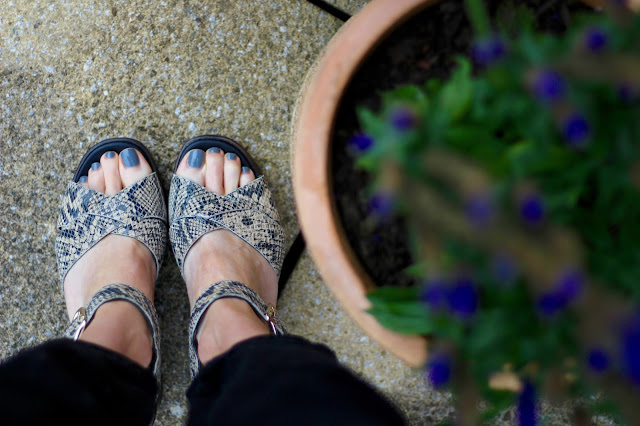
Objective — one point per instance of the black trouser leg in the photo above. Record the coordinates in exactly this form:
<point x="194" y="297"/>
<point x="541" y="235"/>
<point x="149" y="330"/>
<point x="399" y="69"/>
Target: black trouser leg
<point x="284" y="380"/>
<point x="67" y="382"/>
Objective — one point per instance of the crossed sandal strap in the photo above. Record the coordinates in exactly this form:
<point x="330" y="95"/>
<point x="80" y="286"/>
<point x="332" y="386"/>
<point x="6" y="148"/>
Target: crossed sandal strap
<point x="111" y="293"/>
<point x="249" y="212"/>
<point x="87" y="216"/>
<point x="221" y="290"/>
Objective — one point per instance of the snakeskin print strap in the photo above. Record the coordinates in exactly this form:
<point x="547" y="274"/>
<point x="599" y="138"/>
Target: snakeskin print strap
<point x="111" y="293"/>
<point x="87" y="216"/>
<point x="221" y="290"/>
<point x="249" y="212"/>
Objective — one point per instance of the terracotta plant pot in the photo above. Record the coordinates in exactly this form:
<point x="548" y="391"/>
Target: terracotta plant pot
<point x="311" y="154"/>
<point x="313" y="129"/>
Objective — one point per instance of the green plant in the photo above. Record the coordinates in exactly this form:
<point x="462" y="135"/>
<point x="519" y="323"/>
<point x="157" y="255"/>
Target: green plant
<point x="519" y="179"/>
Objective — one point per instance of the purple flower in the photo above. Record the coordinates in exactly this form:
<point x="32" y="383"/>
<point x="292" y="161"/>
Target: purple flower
<point x="435" y="294"/>
<point x="549" y="86"/>
<point x="631" y="349"/>
<point x="532" y="208"/>
<point x="504" y="269"/>
<point x="439" y="370"/>
<point x="527" y="405"/>
<point x="489" y="50"/>
<point x="570" y="284"/>
<point x="551" y="303"/>
<point x="598" y="360"/>
<point x="479" y="209"/>
<point x="566" y="289"/>
<point x="361" y="142"/>
<point x="463" y="298"/>
<point x="403" y="119"/>
<point x="381" y="204"/>
<point x="576" y="130"/>
<point x="595" y="39"/>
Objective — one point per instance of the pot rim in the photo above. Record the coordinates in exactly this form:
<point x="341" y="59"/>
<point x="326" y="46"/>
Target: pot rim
<point x="311" y="158"/>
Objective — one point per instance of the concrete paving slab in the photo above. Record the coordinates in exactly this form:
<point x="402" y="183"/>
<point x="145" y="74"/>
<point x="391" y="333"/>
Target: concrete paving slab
<point x="350" y="6"/>
<point x="75" y="72"/>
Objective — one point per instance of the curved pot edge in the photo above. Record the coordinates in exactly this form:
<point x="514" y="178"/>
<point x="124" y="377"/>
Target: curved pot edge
<point x="313" y="122"/>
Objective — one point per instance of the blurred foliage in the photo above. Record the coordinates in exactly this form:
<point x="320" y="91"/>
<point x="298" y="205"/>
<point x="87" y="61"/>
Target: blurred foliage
<point x="523" y="165"/>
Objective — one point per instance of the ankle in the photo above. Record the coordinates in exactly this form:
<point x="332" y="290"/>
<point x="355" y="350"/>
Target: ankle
<point x="226" y="323"/>
<point x="122" y="328"/>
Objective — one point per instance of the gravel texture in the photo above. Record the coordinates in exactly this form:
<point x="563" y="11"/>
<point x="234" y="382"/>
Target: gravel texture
<point x="75" y="72"/>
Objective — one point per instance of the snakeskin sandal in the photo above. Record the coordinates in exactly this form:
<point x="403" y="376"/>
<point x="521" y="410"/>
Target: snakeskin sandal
<point x="87" y="216"/>
<point x="249" y="212"/>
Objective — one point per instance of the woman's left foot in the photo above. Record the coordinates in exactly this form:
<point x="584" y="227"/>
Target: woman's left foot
<point x="221" y="255"/>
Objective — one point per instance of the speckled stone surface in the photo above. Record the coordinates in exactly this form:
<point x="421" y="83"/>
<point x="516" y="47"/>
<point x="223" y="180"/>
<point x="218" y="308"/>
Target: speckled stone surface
<point x="349" y="6"/>
<point x="75" y="72"/>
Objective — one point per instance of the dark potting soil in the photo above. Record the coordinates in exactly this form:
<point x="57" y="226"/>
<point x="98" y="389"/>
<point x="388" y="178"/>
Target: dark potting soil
<point x="424" y="47"/>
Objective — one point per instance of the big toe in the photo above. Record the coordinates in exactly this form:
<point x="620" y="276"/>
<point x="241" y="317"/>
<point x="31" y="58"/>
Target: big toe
<point x="132" y="166"/>
<point x="192" y="166"/>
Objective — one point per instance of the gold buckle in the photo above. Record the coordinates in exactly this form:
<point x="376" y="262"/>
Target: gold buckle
<point x="270" y="317"/>
<point x="82" y="314"/>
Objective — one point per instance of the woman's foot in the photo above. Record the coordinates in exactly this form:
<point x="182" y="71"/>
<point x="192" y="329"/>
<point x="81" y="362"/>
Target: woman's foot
<point x="221" y="255"/>
<point x="118" y="325"/>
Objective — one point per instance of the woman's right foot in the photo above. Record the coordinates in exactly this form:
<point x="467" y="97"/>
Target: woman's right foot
<point x="221" y="255"/>
<point x="117" y="325"/>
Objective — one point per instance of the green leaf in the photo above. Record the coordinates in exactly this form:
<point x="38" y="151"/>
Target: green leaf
<point x="406" y="94"/>
<point x="399" y="309"/>
<point x="371" y="124"/>
<point x="416" y="322"/>
<point x="457" y="92"/>
<point x="478" y="15"/>
<point x="418" y="270"/>
<point x="433" y="86"/>
<point x="388" y="294"/>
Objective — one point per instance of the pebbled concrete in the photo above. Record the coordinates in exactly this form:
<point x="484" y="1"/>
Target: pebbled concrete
<point x="350" y="6"/>
<point x="75" y="72"/>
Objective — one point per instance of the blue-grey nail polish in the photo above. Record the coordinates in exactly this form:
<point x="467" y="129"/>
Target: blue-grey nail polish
<point x="196" y="159"/>
<point x="95" y="166"/>
<point x="214" y="150"/>
<point x="245" y="169"/>
<point x="129" y="157"/>
<point x="83" y="179"/>
<point x="231" y="156"/>
<point x="109" y="154"/>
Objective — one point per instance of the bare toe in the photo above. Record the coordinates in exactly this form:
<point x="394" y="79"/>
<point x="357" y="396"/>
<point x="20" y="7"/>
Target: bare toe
<point x="215" y="170"/>
<point x="109" y="165"/>
<point x="231" y="172"/>
<point x="96" y="178"/>
<point x="246" y="176"/>
<point x="191" y="166"/>
<point x="133" y="166"/>
<point x="84" y="181"/>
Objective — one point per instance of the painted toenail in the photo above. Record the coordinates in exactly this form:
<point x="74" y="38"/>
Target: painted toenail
<point x="231" y="156"/>
<point x="129" y="157"/>
<point x="196" y="159"/>
<point x="214" y="150"/>
<point x="83" y="179"/>
<point x="95" y="166"/>
<point x="109" y="154"/>
<point x="245" y="169"/>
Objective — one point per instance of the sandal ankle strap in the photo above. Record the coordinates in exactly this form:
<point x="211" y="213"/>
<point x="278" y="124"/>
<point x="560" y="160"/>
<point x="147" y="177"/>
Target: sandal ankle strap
<point x="224" y="289"/>
<point x="111" y="293"/>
